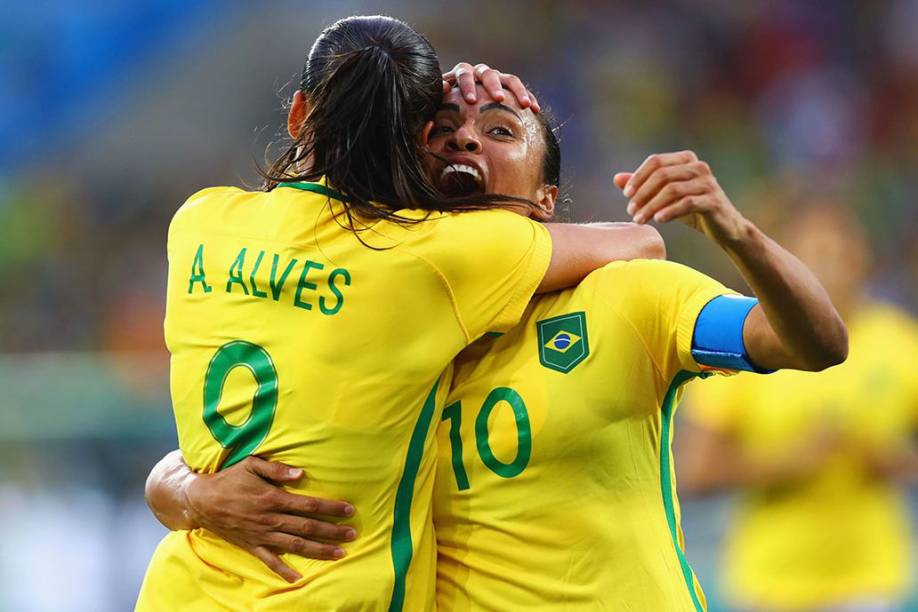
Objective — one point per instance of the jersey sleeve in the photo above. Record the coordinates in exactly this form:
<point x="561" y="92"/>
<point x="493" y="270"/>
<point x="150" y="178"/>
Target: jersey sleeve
<point x="491" y="263"/>
<point x="662" y="301"/>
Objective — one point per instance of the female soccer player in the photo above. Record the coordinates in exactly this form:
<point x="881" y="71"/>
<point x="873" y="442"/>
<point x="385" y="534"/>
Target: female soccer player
<point x="554" y="486"/>
<point x="312" y="323"/>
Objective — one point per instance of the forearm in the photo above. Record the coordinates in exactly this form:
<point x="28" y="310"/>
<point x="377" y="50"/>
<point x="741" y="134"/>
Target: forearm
<point x="704" y="474"/>
<point x="736" y="471"/>
<point x="578" y="249"/>
<point x="795" y="324"/>
<point x="698" y="478"/>
<point x="808" y="333"/>
<point x="165" y="492"/>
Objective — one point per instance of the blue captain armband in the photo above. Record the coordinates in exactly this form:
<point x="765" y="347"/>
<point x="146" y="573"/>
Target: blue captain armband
<point x="718" y="338"/>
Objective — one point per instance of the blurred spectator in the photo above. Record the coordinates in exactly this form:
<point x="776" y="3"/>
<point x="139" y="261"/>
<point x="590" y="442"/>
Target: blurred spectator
<point x="819" y="459"/>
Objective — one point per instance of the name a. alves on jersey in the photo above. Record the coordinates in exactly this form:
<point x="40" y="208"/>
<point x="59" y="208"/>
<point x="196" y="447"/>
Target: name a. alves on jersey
<point x="244" y="276"/>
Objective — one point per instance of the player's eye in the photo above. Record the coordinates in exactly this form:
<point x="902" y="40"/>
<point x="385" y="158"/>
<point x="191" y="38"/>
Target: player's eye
<point x="440" y="130"/>
<point x="500" y="130"/>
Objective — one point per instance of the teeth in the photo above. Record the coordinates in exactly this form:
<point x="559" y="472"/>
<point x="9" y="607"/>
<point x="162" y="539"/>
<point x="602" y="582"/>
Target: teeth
<point x="462" y="168"/>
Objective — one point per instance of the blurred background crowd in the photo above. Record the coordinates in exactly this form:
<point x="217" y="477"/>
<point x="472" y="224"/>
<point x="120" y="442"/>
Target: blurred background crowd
<point x="112" y="113"/>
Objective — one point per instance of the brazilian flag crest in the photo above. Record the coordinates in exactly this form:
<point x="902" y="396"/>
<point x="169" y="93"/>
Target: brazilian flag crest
<point x="563" y="341"/>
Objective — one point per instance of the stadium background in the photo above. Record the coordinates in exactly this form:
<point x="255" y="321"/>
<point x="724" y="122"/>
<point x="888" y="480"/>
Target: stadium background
<point x="111" y="113"/>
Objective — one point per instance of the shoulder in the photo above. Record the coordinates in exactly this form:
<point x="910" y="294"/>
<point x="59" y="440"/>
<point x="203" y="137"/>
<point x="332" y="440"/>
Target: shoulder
<point x="654" y="275"/>
<point x="205" y="202"/>
<point x="492" y="222"/>
<point x="211" y="196"/>
<point x="662" y="299"/>
<point x="473" y="239"/>
<point x="435" y="233"/>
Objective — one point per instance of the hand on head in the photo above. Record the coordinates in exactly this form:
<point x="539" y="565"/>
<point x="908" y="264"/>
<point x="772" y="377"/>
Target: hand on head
<point x="496" y="83"/>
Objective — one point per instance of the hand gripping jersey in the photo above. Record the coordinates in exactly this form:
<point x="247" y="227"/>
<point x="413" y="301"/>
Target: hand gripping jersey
<point x="293" y="341"/>
<point x="555" y="487"/>
<point x="841" y="534"/>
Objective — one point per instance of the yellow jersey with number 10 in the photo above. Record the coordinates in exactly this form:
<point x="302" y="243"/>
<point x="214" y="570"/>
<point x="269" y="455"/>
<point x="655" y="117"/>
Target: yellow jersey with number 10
<point x="555" y="487"/>
<point x="293" y="341"/>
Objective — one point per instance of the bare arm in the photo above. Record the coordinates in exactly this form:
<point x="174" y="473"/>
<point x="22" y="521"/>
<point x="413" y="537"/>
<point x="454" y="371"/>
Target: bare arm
<point x="245" y="505"/>
<point x="166" y="492"/>
<point x="711" y="461"/>
<point x="579" y="249"/>
<point x="795" y="324"/>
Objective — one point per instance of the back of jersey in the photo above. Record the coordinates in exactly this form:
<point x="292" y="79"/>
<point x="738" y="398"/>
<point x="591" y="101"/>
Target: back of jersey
<point x="293" y="341"/>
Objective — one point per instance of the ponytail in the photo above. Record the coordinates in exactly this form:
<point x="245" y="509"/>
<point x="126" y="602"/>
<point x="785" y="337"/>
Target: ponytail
<point x="372" y="83"/>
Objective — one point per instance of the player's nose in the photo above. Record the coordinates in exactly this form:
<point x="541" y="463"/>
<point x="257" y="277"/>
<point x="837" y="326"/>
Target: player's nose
<point x="465" y="139"/>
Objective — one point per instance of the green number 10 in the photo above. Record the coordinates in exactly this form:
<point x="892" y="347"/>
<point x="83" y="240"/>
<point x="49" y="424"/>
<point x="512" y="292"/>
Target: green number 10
<point x="240" y="440"/>
<point x="453" y="413"/>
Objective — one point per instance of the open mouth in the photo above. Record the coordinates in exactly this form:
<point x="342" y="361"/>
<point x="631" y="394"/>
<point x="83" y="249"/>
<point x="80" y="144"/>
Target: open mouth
<point x="459" y="180"/>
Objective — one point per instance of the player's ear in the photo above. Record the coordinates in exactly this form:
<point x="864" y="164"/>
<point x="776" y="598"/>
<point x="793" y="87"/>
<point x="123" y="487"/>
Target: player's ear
<point x="546" y="196"/>
<point x="299" y="110"/>
<point x="424" y="136"/>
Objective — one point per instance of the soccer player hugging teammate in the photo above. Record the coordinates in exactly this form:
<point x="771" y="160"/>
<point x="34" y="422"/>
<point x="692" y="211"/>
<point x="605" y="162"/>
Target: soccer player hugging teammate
<point x="314" y="322"/>
<point x="555" y="484"/>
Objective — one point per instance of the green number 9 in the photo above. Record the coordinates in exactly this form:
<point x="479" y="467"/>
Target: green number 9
<point x="240" y="440"/>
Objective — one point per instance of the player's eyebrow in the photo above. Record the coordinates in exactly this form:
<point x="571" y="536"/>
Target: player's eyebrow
<point x="446" y="106"/>
<point x="499" y="106"/>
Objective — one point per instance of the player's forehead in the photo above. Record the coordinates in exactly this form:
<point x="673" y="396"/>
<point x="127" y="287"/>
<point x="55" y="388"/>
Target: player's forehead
<point x="453" y="100"/>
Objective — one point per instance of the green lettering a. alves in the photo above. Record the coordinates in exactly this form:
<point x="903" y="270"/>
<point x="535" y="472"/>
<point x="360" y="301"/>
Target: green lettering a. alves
<point x="197" y="271"/>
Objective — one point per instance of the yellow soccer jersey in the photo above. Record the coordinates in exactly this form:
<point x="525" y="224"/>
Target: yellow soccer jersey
<point x="841" y="534"/>
<point x="555" y="486"/>
<point x="293" y="341"/>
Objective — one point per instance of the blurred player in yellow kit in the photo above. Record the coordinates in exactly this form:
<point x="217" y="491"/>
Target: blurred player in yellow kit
<point x="822" y="524"/>
<point x="555" y="486"/>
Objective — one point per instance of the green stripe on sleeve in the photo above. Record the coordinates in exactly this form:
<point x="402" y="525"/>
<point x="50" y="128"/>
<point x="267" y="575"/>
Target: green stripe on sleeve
<point x="666" y="481"/>
<point x="402" y="550"/>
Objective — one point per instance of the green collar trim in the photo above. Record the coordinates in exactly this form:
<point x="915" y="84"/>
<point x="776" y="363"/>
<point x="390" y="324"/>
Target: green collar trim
<point x="316" y="188"/>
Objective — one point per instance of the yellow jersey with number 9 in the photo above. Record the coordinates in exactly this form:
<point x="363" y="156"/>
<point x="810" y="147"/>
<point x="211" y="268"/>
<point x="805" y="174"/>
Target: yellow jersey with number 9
<point x="555" y="487"/>
<point x="292" y="340"/>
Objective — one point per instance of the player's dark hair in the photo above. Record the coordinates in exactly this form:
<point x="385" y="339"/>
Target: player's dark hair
<point x="551" y="158"/>
<point x="551" y="163"/>
<point x="372" y="83"/>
